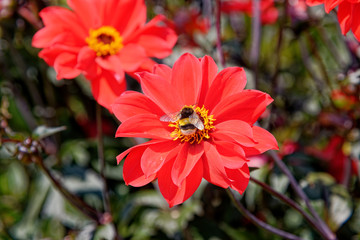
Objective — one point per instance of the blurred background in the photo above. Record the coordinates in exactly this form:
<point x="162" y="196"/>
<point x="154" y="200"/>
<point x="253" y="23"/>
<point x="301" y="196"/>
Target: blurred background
<point x="48" y="128"/>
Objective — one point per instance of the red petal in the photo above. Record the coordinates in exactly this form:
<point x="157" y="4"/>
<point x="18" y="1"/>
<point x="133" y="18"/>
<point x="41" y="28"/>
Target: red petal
<point x="60" y="24"/>
<point x="331" y="4"/>
<point x="64" y="65"/>
<point x="214" y="171"/>
<point x="186" y="77"/>
<point x="123" y="154"/>
<point x="126" y="16"/>
<point x="131" y="57"/>
<point x="232" y="155"/>
<point x="86" y="62"/>
<point x="176" y="195"/>
<point x="147" y="65"/>
<point x="239" y="178"/>
<point x="110" y="63"/>
<point x="344" y="16"/>
<point x="186" y="159"/>
<point x="266" y="141"/>
<point x="209" y="71"/>
<point x="51" y="53"/>
<point x="156" y="155"/>
<point x="235" y="130"/>
<point x="145" y="126"/>
<point x="161" y="92"/>
<point x="247" y="106"/>
<point x="155" y="37"/>
<point x="229" y="81"/>
<point x="162" y="70"/>
<point x="356" y="21"/>
<point x="89" y="12"/>
<point x="47" y="36"/>
<point x="132" y="103"/>
<point x="107" y="87"/>
<point x="133" y="175"/>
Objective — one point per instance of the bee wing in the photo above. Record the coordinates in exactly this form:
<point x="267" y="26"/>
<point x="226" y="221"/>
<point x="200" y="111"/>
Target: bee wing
<point x="195" y="120"/>
<point x="171" y="117"/>
<point x="199" y="125"/>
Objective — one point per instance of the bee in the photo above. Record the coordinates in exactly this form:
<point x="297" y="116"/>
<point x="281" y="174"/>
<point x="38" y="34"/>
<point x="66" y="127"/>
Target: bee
<point x="188" y="119"/>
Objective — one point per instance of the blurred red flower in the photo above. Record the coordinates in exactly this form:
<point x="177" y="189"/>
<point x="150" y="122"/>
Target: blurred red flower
<point x="348" y="13"/>
<point x="211" y="138"/>
<point x="103" y="40"/>
<point x="336" y="156"/>
<point x="269" y="13"/>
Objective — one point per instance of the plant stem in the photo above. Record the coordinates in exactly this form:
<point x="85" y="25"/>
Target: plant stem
<point x="258" y="222"/>
<point x="73" y="199"/>
<point x="105" y="189"/>
<point x="291" y="203"/>
<point x="329" y="234"/>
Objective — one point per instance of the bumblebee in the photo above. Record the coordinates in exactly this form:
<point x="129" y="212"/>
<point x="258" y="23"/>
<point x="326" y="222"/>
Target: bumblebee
<point x="187" y="118"/>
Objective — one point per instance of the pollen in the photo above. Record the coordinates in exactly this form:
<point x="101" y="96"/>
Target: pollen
<point x="105" y="41"/>
<point x="198" y="135"/>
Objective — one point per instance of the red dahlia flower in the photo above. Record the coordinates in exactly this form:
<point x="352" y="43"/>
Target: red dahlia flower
<point x="348" y="13"/>
<point x="102" y="39"/>
<point x="201" y="125"/>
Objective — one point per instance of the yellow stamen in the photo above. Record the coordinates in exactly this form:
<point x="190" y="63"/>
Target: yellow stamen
<point x="105" y="41"/>
<point x="199" y="135"/>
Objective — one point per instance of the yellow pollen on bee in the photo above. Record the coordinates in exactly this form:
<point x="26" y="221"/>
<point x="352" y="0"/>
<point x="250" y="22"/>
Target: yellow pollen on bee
<point x="105" y="41"/>
<point x="198" y="135"/>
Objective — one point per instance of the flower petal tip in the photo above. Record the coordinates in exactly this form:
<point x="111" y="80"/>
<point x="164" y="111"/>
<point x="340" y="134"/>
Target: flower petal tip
<point x="118" y="159"/>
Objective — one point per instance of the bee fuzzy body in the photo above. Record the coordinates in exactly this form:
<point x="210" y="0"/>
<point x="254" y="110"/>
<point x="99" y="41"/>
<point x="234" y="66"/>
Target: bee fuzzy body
<point x="186" y="127"/>
<point x="188" y="120"/>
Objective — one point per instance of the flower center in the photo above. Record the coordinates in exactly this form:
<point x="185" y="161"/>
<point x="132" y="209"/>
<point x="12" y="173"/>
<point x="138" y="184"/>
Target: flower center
<point x="192" y="127"/>
<point x="104" y="41"/>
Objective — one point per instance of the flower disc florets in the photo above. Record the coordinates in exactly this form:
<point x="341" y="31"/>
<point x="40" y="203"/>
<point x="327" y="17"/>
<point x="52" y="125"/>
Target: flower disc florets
<point x="105" y="41"/>
<point x="198" y="135"/>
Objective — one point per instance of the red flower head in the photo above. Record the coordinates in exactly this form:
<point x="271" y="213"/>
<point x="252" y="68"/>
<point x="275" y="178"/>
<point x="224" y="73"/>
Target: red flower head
<point x="102" y="39"/>
<point x="269" y="13"/>
<point x="348" y="13"/>
<point x="201" y="124"/>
